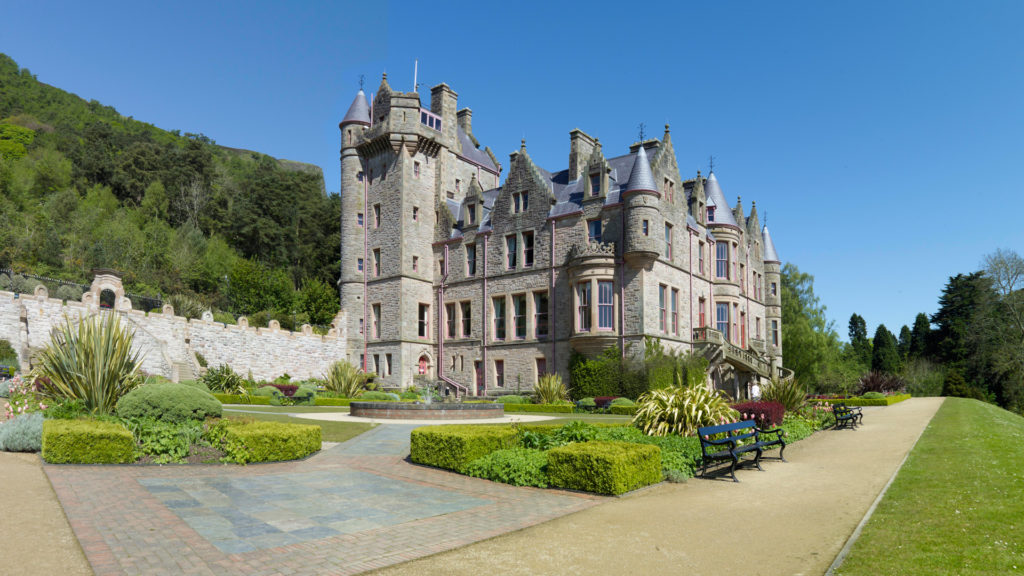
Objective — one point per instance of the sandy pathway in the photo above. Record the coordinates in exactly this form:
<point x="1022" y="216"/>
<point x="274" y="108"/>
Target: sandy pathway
<point x="790" y="520"/>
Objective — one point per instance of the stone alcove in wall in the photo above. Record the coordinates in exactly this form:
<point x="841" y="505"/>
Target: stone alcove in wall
<point x="107" y="291"/>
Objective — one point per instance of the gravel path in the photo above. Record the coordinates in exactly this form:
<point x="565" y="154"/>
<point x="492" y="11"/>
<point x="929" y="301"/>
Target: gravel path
<point x="791" y="519"/>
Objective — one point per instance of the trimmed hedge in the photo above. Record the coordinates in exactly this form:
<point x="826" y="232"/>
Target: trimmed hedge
<point x="623" y="410"/>
<point x="240" y="399"/>
<point x="512" y="399"/>
<point x="246" y="442"/>
<point x="87" y="442"/>
<point x="560" y="408"/>
<point x="169" y="402"/>
<point x="604" y="467"/>
<point x="887" y="401"/>
<point x="454" y="446"/>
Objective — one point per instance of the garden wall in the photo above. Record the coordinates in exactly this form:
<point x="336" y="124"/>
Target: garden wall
<point x="169" y="342"/>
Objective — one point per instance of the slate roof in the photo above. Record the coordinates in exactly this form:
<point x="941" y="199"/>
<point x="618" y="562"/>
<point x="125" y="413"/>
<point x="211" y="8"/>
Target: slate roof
<point x="770" y="255"/>
<point x="641" y="178"/>
<point x="470" y="151"/>
<point x="723" y="214"/>
<point x="359" y="111"/>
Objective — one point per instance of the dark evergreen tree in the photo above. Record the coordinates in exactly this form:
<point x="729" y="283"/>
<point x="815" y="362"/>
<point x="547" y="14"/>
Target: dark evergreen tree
<point x="885" y="357"/>
<point x="859" y="340"/>
<point x="904" y="343"/>
<point x="919" y="336"/>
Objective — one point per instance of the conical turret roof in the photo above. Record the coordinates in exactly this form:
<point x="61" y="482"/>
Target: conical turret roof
<point x="359" y="111"/>
<point x="770" y="255"/>
<point x="723" y="214"/>
<point x="641" y="177"/>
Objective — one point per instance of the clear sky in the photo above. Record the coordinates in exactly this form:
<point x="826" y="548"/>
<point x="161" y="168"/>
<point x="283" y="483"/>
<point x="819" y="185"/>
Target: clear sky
<point x="885" y="140"/>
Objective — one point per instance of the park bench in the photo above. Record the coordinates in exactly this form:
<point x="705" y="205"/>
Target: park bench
<point x="847" y="417"/>
<point x="727" y="442"/>
<point x="6" y="372"/>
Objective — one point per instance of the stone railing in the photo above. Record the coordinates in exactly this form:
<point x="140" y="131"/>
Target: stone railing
<point x="587" y="249"/>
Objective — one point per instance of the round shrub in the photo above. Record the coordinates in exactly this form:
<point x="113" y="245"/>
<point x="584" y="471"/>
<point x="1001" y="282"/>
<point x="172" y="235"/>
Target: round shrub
<point x="409" y="395"/>
<point x="513" y="399"/>
<point x="267" y="391"/>
<point x="24" y="433"/>
<point x="623" y="402"/>
<point x="196" y="384"/>
<point x="375" y="396"/>
<point x="168" y="402"/>
<point x="223" y="379"/>
<point x="587" y="403"/>
<point x="872" y="395"/>
<point x="393" y="396"/>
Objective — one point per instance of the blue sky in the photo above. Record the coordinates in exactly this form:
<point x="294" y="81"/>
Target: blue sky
<point x="885" y="140"/>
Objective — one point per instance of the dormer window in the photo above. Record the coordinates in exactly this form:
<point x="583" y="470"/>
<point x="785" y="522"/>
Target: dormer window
<point x="595" y="184"/>
<point x="711" y="213"/>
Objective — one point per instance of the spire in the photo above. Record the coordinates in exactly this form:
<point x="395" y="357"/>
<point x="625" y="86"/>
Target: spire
<point x="770" y="255"/>
<point x="737" y="213"/>
<point x="753" y="222"/>
<point x="723" y="215"/>
<point x="359" y="111"/>
<point x="641" y="178"/>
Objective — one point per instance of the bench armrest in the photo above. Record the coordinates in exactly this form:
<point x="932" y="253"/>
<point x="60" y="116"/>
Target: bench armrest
<point x="778" y="431"/>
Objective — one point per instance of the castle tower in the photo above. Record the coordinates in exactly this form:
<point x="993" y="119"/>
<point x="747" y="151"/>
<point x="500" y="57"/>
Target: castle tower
<point x="773" y="298"/>
<point x="353" y="216"/>
<point x="643" y="220"/>
<point x="729" y="314"/>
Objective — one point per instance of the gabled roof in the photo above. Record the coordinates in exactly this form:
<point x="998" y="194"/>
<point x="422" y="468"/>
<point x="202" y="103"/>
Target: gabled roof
<point x="474" y="154"/>
<point x="359" y="111"/>
<point x="770" y="255"/>
<point x="723" y="214"/>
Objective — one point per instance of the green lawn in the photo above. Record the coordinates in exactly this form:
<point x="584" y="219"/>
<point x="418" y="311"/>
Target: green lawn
<point x="330" y="431"/>
<point x="956" y="506"/>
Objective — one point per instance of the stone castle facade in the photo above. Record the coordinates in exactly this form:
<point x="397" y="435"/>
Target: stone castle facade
<point x="450" y="276"/>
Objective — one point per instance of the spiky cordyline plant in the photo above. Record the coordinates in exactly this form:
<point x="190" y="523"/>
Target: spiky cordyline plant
<point x="681" y="409"/>
<point x="345" y="379"/>
<point x="789" y="393"/>
<point x="550" y="389"/>
<point x="90" y="360"/>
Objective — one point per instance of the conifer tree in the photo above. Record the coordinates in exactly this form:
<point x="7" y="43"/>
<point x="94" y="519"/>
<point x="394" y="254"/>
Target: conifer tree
<point x="885" y="357"/>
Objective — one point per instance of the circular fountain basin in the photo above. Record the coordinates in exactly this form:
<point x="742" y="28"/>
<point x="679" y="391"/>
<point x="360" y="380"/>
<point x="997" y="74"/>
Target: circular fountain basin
<point x="412" y="411"/>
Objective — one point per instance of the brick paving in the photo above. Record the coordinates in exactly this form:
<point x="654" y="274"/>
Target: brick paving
<point x="354" y="507"/>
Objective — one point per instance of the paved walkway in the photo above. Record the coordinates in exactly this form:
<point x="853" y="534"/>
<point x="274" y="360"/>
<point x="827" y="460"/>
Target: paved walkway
<point x="791" y="519"/>
<point x="351" y="508"/>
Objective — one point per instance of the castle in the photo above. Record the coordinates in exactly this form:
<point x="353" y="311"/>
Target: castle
<point x="452" y="277"/>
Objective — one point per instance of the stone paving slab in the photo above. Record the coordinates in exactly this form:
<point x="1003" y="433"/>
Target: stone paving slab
<point x="355" y="507"/>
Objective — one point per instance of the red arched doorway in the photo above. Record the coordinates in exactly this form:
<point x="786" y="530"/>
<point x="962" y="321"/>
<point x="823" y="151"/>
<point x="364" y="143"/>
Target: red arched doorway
<point x="424" y="364"/>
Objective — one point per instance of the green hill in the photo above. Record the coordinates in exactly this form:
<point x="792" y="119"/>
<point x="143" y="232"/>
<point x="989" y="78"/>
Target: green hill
<point x="83" y="187"/>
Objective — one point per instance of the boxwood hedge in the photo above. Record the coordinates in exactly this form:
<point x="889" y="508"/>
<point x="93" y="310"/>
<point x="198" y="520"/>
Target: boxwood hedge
<point x="454" y="446"/>
<point x="245" y="442"/>
<point x="604" y="467"/>
<point x="560" y="408"/>
<point x="87" y="442"/>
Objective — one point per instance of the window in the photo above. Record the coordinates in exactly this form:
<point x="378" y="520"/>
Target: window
<point x="711" y="213"/>
<point x="362" y="325"/>
<point x="774" y="289"/>
<point x="542" y="368"/>
<point x="735" y="318"/>
<point x="743" y="278"/>
<point x="583" y="310"/>
<point x="415" y="213"/>
<point x="376" y="215"/>
<point x="605" y="305"/>
<point x="594" y="230"/>
<point x="722" y="319"/>
<point x="359" y="176"/>
<point x="449" y="194"/>
<point x="662" y="312"/>
<point x="775" y="332"/>
<point x="376" y="320"/>
<point x="449" y="316"/>
<point x="376" y="261"/>
<point x="668" y="241"/>
<point x="646" y="228"/>
<point x="442" y="267"/>
<point x="499" y="317"/>
<point x="722" y="263"/>
<point x="359" y="264"/>
<point x="424" y="321"/>
<point x="540" y="314"/>
<point x="458" y="185"/>
<point x="387" y="365"/>
<point x="527" y="248"/>
<point x="359" y="219"/>
<point x="675" y="311"/>
<point x="520" y="202"/>
<point x="471" y="260"/>
<point x="415" y="263"/>
<point x="595" y="184"/>
<point x="510" y="251"/>
<point x="416" y="169"/>
<point x="376" y="364"/>
<point x="499" y="373"/>
<point x="519" y="315"/>
<point x="362" y="362"/>
<point x="670" y="189"/>
<point x="700" y="257"/>
<point x="471" y="213"/>
<point x="757" y="328"/>
<point x="702" y="320"/>
<point x="467" y="319"/>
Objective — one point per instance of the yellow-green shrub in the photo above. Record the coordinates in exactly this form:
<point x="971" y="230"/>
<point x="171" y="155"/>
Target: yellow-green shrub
<point x="87" y="442"/>
<point x="454" y="446"/>
<point x="604" y="467"/>
<point x="245" y="442"/>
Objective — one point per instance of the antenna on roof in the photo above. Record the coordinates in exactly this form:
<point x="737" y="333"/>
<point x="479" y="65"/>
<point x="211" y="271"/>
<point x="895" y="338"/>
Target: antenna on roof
<point x="765" y="217"/>
<point x="415" y="76"/>
<point x="711" y="164"/>
<point x="642" y="126"/>
<point x="362" y="78"/>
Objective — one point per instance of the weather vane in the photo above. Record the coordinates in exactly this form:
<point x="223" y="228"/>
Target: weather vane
<point x="642" y="126"/>
<point x="711" y="164"/>
<point x="362" y="78"/>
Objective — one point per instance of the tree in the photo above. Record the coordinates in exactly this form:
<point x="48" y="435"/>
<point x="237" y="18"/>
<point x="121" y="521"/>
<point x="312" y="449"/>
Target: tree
<point x="859" y="340"/>
<point x="319" y="301"/>
<point x="904" y="343"/>
<point x="811" y="343"/>
<point x="919" y="336"/>
<point x="885" y="357"/>
<point x="999" y="327"/>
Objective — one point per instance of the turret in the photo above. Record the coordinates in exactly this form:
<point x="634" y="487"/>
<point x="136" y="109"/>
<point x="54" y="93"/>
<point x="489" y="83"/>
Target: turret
<point x="353" y="211"/>
<point x="642" y="202"/>
<point x="773" y="296"/>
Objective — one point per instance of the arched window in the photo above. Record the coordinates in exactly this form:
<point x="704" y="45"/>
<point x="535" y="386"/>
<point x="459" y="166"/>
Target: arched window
<point x="424" y="364"/>
<point x="107" y="299"/>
